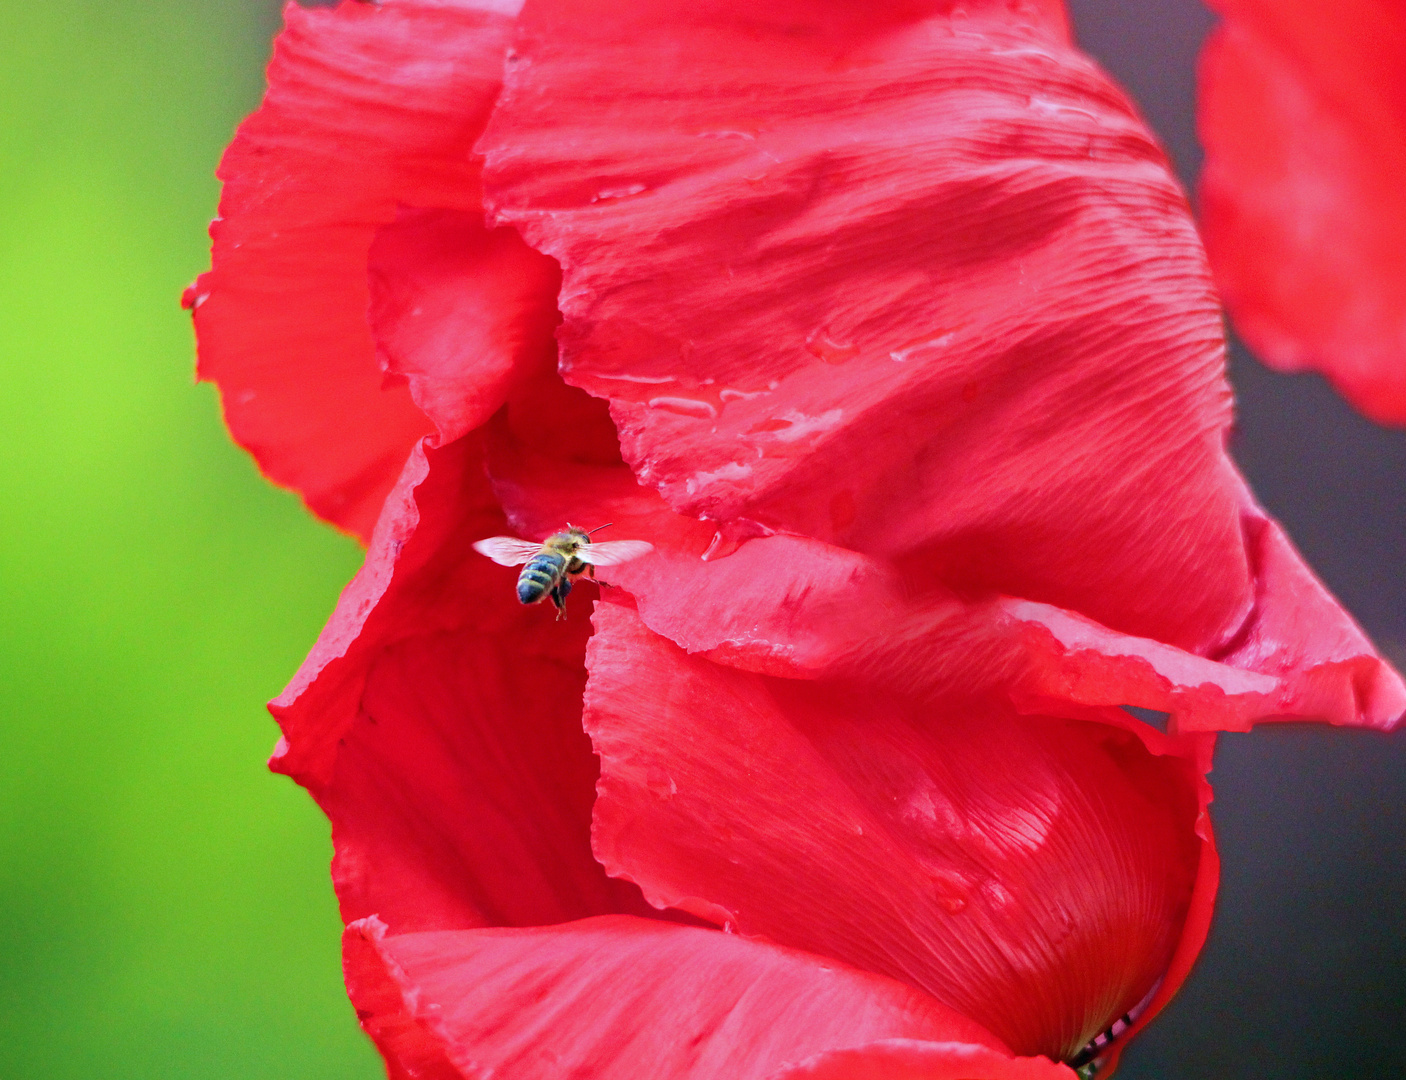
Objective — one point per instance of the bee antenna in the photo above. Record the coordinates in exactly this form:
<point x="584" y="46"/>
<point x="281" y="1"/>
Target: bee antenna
<point x="598" y="528"/>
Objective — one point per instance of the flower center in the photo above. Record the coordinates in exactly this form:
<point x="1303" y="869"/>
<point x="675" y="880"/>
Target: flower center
<point x="1086" y="1062"/>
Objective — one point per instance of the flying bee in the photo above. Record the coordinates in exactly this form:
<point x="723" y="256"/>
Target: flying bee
<point x="555" y="564"/>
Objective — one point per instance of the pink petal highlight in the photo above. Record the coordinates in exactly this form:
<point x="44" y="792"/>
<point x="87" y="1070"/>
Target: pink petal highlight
<point x="619" y="998"/>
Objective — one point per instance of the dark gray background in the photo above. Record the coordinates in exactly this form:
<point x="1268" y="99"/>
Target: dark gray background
<point x="1304" y="975"/>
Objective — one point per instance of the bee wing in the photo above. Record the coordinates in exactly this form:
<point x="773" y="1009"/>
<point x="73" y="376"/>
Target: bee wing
<point x="614" y="551"/>
<point x="507" y="550"/>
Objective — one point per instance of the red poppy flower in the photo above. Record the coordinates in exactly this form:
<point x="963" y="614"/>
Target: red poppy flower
<point x="1303" y="116"/>
<point x="890" y="332"/>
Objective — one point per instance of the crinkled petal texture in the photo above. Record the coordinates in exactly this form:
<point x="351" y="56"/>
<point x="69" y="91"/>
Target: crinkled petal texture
<point x="922" y="287"/>
<point x="1303" y="196"/>
<point x="897" y="317"/>
<point x="441" y="730"/>
<point x="616" y="998"/>
<point x="1042" y="896"/>
<point x="1036" y="875"/>
<point x="369" y="122"/>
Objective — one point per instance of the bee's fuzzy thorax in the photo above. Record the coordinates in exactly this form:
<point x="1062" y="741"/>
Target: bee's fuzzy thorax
<point x="568" y="542"/>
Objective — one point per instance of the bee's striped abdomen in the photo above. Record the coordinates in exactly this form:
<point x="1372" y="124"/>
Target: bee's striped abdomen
<point x="539" y="576"/>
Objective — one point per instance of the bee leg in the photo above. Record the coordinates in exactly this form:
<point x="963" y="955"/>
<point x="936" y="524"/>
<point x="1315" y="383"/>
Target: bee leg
<point x="558" y="595"/>
<point x="591" y="570"/>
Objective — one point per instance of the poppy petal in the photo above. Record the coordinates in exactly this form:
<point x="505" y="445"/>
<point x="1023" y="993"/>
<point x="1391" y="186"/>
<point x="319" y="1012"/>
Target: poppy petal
<point x="1303" y="194"/>
<point x="1034" y="874"/>
<point x="921" y="287"/>
<point x="463" y="312"/>
<point x="1193" y="937"/>
<point x="440" y="728"/>
<point x="368" y="108"/>
<point x="1327" y="666"/>
<point x="620" y="997"/>
<point x="799" y="608"/>
<point x="908" y="1059"/>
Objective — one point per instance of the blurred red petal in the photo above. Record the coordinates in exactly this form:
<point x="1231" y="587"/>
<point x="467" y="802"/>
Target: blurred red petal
<point x="619" y="998"/>
<point x="368" y="108"/>
<point x="1303" y="195"/>
<point x="1032" y="873"/>
<point x="920" y="286"/>
<point x="440" y="727"/>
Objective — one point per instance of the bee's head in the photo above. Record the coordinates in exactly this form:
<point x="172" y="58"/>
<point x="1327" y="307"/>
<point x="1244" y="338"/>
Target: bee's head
<point x="580" y="535"/>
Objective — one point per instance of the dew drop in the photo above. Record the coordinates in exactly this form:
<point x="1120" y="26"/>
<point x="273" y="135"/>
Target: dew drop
<point x="660" y="782"/>
<point x="950" y="891"/>
<point x="730" y="394"/>
<point x="609" y="194"/>
<point x="648" y="380"/>
<point x="732" y="535"/>
<point x="907" y="351"/>
<point x="823" y="347"/>
<point x="701" y="410"/>
<point x="644" y="380"/>
<point x="776" y="423"/>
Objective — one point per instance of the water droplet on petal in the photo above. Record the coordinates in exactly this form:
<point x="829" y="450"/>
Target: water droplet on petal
<point x="822" y="346"/>
<point x="648" y="380"/>
<point x="701" y="410"/>
<point x="775" y="423"/>
<point x="907" y="351"/>
<point x="609" y="194"/>
<point x="951" y="892"/>
<point x="660" y="782"/>
<point x="730" y="394"/>
<point x="732" y="535"/>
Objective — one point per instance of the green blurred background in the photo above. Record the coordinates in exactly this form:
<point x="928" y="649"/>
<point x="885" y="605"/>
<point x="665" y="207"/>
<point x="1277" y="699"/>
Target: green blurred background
<point x="165" y="909"/>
